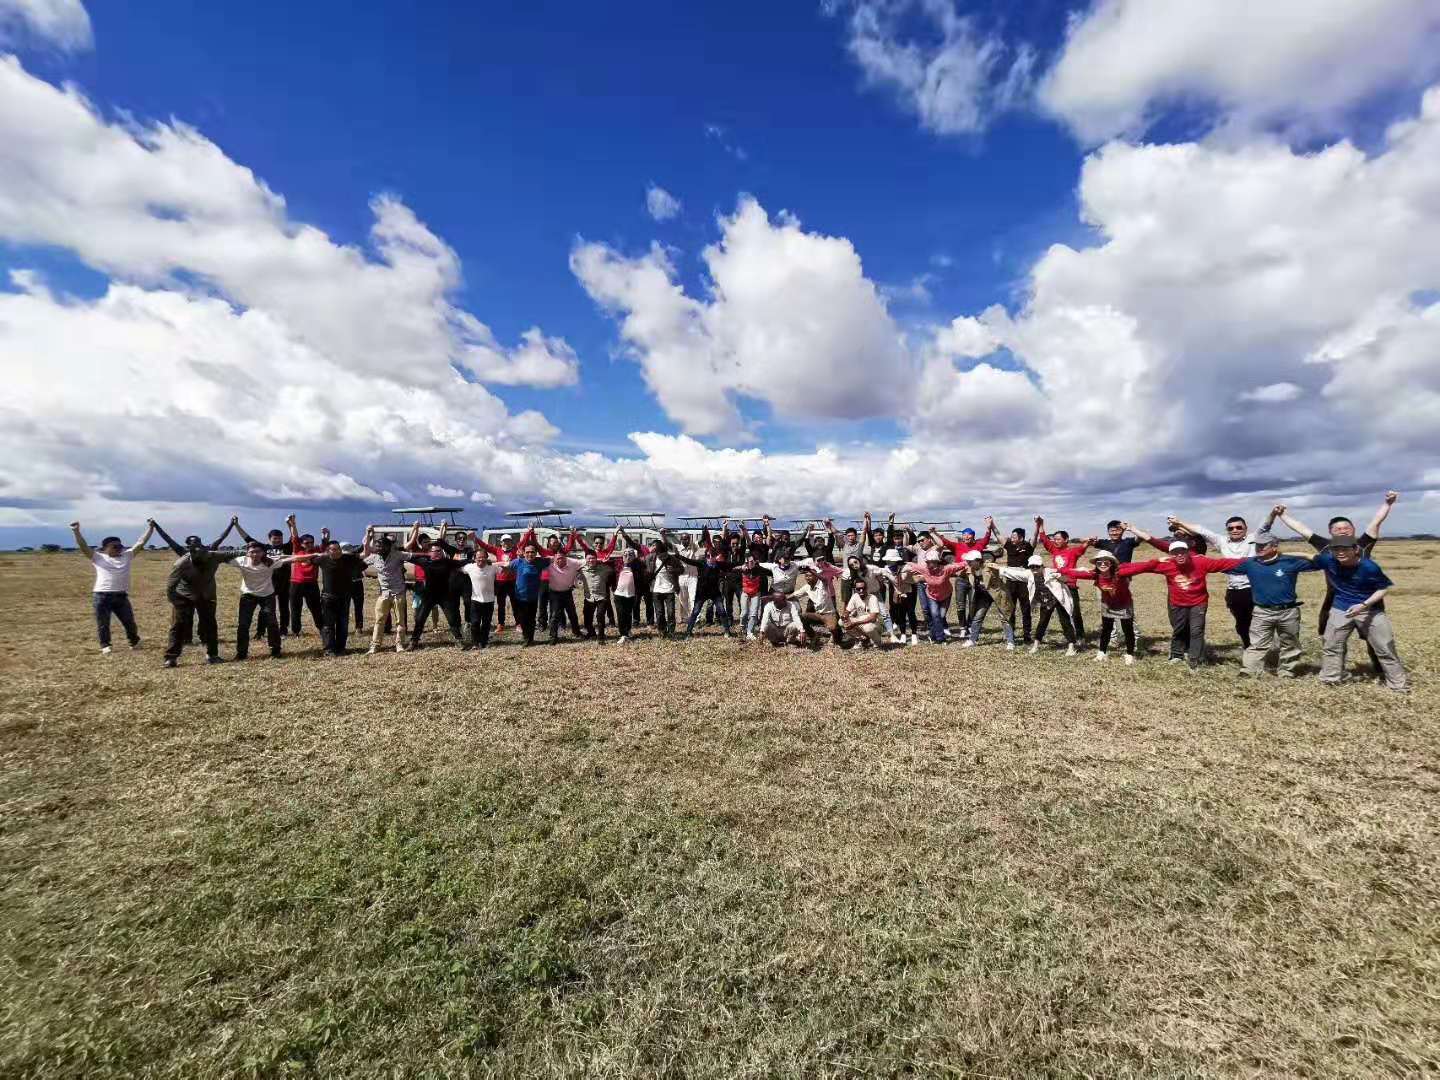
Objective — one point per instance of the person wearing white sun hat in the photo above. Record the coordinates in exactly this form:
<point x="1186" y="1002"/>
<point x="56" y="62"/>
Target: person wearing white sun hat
<point x="1117" y="606"/>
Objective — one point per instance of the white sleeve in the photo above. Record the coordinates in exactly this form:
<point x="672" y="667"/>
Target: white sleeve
<point x="767" y="618"/>
<point x="1214" y="538"/>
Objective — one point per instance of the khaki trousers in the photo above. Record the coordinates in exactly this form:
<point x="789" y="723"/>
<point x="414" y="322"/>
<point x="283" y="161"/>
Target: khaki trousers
<point x="1273" y="629"/>
<point x="1375" y="625"/>
<point x="398" y="609"/>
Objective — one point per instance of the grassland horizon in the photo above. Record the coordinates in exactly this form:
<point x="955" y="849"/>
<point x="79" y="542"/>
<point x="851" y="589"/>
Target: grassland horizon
<point x="710" y="858"/>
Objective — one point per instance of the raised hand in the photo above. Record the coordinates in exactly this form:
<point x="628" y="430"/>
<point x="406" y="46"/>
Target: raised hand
<point x="1390" y="497"/>
<point x="75" y="525"/>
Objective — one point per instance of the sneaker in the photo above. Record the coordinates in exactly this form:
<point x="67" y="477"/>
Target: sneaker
<point x="914" y="639"/>
<point x="104" y="650"/>
<point x="1129" y="660"/>
<point x="135" y="644"/>
<point x="622" y="640"/>
<point x="750" y="636"/>
<point x="214" y="659"/>
<point x="1009" y="646"/>
<point x="372" y="650"/>
<point x="1034" y="647"/>
<point x="1099" y="657"/>
<point x="169" y="661"/>
<point x="965" y="643"/>
<point x="1177" y="659"/>
<point x="1071" y="651"/>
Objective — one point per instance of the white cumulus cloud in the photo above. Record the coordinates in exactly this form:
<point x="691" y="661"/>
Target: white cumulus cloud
<point x="791" y="320"/>
<point x="1280" y="60"/>
<point x="62" y="23"/>
<point x="660" y="204"/>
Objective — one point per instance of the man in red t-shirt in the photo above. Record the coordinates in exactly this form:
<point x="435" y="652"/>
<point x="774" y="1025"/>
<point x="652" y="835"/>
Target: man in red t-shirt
<point x="1065" y="556"/>
<point x="1189" y="597"/>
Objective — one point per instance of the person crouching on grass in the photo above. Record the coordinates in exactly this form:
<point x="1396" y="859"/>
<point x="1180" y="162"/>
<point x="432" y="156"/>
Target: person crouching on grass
<point x="780" y="623"/>
<point x="862" y="623"/>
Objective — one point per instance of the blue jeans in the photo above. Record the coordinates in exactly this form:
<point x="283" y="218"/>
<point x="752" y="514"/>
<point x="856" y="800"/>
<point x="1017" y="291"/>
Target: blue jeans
<point x="117" y="604"/>
<point x="935" y="611"/>
<point x="717" y="605"/>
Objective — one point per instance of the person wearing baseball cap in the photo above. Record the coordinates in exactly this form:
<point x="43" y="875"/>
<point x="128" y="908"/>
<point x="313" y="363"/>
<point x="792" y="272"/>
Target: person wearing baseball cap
<point x="1359" y="586"/>
<point x="1117" y="605"/>
<point x="504" y="557"/>
<point x="1189" y="596"/>
<point x="1275" y="622"/>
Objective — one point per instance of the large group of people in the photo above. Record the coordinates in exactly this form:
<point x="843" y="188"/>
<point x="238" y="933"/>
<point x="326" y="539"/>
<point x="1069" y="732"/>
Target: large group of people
<point x="859" y="588"/>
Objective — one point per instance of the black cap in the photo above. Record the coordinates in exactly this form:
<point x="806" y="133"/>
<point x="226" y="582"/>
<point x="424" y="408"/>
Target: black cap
<point x="1344" y="542"/>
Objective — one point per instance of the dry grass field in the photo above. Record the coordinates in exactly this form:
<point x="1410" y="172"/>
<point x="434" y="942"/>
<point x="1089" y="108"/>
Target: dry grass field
<point x="710" y="860"/>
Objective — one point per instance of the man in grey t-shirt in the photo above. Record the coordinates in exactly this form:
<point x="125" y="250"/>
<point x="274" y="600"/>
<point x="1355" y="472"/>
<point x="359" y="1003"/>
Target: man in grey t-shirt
<point x="387" y="562"/>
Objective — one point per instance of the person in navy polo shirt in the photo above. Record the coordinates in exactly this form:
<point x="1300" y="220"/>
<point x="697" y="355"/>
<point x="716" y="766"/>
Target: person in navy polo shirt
<point x="1360" y="587"/>
<point x="1275" y="622"/>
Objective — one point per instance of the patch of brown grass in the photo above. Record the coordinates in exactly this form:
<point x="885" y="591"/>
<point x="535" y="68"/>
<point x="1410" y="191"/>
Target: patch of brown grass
<point x="710" y="858"/>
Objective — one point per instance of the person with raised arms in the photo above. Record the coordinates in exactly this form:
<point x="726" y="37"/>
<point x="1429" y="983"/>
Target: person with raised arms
<point x="111" y="594"/>
<point x="304" y="579"/>
<point x="598" y="576"/>
<point x="436" y="558"/>
<point x="1117" y="543"/>
<point x="1187" y="593"/>
<point x="1275" y="621"/>
<point x="1017" y="557"/>
<point x="1342" y="526"/>
<point x="664" y="572"/>
<point x="528" y="565"/>
<point x="1117" y="604"/>
<point x="258" y="602"/>
<point x="710" y="565"/>
<point x="1237" y="543"/>
<point x="937" y="578"/>
<point x="1359" y="587"/>
<point x="386" y="560"/>
<point x="190" y="588"/>
<point x="1065" y="556"/>
<point x="482" y="574"/>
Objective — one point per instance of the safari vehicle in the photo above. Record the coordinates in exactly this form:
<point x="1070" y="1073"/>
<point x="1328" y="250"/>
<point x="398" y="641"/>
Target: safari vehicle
<point x="431" y="518"/>
<point x="546" y="523"/>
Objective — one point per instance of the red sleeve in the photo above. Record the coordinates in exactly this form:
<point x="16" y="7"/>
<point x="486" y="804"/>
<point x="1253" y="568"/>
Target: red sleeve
<point x="495" y="552"/>
<point x="1082" y="575"/>
<point x="1080" y="548"/>
<point x="607" y="551"/>
<point x="1131" y="569"/>
<point x="528" y="537"/>
<point x="1163" y="545"/>
<point x="570" y="542"/>
<point x="1049" y="545"/>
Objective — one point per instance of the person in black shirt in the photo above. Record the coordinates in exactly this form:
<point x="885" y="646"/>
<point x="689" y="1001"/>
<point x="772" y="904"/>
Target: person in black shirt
<point x="191" y="592"/>
<point x="437" y="559"/>
<point x="1117" y="543"/>
<point x="1017" y="553"/>
<point x="337" y="571"/>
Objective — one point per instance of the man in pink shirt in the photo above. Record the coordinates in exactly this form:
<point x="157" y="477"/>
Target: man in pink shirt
<point x="564" y="572"/>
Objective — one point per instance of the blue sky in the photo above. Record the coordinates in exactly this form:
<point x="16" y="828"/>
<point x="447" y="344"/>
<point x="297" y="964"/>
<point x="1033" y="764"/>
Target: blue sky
<point x="958" y="157"/>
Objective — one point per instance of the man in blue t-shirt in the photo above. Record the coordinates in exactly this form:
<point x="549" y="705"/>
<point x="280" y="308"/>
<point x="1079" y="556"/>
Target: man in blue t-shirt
<point x="1275" y="622"/>
<point x="1359" y="586"/>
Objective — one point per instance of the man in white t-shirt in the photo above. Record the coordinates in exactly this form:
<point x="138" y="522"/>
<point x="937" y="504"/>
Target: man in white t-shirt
<point x="863" y="620"/>
<point x="258" y="597"/>
<point x="112" y="583"/>
<point x="483" y="575"/>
